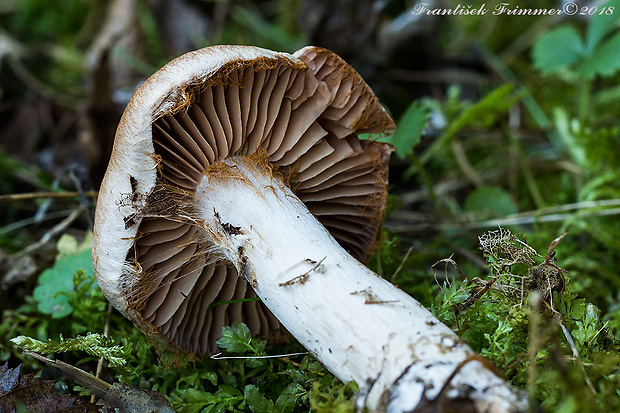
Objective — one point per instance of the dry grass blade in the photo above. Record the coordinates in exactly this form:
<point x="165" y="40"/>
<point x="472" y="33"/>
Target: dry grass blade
<point x="39" y="195"/>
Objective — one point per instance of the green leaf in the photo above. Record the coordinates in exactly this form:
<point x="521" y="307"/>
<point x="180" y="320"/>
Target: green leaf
<point x="195" y="379"/>
<point x="557" y="49"/>
<point x="566" y="130"/>
<point x="600" y="25"/>
<point x="256" y="401"/>
<point x="53" y="293"/>
<point x="592" y="189"/>
<point x="491" y="199"/>
<point x="289" y="398"/>
<point x="604" y="61"/>
<point x="238" y="339"/>
<point x="482" y="113"/>
<point x="410" y="129"/>
<point x="225" y="399"/>
<point x="69" y="245"/>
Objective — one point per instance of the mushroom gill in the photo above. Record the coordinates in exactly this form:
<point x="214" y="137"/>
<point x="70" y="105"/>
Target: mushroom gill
<point x="304" y="118"/>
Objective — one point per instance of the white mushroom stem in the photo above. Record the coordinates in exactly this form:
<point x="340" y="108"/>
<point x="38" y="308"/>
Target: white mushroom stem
<point x="356" y="323"/>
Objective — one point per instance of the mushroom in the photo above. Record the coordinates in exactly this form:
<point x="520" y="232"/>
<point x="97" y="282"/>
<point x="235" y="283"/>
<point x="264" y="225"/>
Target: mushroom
<point x="237" y="173"/>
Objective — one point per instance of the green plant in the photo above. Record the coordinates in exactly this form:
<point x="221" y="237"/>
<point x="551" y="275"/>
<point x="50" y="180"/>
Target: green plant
<point x="564" y="51"/>
<point x="246" y="378"/>
<point x="92" y="343"/>
<point x="494" y="316"/>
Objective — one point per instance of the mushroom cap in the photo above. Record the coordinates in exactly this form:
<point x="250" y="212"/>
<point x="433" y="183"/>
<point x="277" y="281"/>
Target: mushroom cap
<point x="302" y="112"/>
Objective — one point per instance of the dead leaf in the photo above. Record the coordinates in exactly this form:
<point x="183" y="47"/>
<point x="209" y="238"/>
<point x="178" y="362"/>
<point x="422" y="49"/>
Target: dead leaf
<point x="34" y="394"/>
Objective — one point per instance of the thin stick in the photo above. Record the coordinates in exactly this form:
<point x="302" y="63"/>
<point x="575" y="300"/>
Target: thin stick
<point x="218" y="356"/>
<point x="30" y="221"/>
<point x="463" y="162"/>
<point x="39" y="195"/>
<point x="99" y="386"/>
<point x="526" y="218"/>
<point x="416" y="196"/>
<point x="472" y="299"/>
<point x="56" y="229"/>
<point x="552" y="246"/>
<point x="599" y="332"/>
<point x="303" y="277"/>
<point x="402" y="263"/>
<point x="448" y="260"/>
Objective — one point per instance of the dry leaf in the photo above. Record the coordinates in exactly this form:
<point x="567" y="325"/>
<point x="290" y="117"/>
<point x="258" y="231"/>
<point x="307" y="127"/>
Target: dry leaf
<point x="34" y="394"/>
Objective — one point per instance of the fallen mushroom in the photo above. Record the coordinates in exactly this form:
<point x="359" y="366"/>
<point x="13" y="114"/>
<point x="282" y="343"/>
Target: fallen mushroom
<point x="237" y="172"/>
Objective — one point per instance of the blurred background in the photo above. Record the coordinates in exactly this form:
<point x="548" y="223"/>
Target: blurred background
<point x="504" y="119"/>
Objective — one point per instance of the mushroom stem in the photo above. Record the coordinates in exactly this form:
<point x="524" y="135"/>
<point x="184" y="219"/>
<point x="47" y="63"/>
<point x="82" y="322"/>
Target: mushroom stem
<point x="360" y="326"/>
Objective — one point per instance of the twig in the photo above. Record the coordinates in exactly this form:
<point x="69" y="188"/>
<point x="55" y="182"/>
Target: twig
<point x="218" y="356"/>
<point x="448" y="260"/>
<point x="445" y="187"/>
<point x="56" y="229"/>
<point x="599" y="332"/>
<point x="99" y="386"/>
<point x="30" y="221"/>
<point x="451" y="261"/>
<point x="532" y="219"/>
<point x="39" y="195"/>
<point x="472" y="299"/>
<point x="402" y="263"/>
<point x="550" y="214"/>
<point x="371" y="298"/>
<point x="575" y="206"/>
<point x="303" y="277"/>
<point x="70" y="172"/>
<point x="552" y="246"/>
<point x="463" y="162"/>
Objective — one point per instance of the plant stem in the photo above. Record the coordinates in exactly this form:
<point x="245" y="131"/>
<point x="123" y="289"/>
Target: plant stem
<point x="534" y="344"/>
<point x="584" y="101"/>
